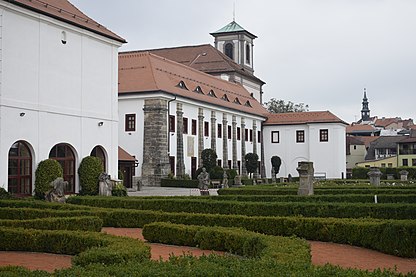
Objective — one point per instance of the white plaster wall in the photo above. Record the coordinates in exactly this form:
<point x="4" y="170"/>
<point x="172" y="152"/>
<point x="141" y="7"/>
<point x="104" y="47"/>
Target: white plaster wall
<point x="132" y="142"/>
<point x="63" y="89"/>
<point x="328" y="157"/>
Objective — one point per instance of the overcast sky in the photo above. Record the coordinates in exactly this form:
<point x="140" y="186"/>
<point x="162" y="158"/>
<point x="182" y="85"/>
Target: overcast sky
<point x="318" y="52"/>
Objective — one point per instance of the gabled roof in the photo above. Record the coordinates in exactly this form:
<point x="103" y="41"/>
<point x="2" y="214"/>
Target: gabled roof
<point x="232" y="27"/>
<point x="302" y="118"/>
<point x="141" y="72"/>
<point x="64" y="11"/>
<point x="213" y="62"/>
<point x="358" y="128"/>
<point x="124" y="156"/>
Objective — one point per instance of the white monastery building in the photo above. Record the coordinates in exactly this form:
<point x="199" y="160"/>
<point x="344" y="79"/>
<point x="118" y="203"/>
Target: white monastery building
<point x="170" y="112"/>
<point x="317" y="137"/>
<point x="58" y="91"/>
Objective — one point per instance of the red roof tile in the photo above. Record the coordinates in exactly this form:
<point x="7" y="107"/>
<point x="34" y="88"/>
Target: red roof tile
<point x="302" y="118"/>
<point x="146" y="72"/>
<point x="65" y="11"/>
<point x="213" y="62"/>
<point x="360" y="127"/>
<point x="124" y="156"/>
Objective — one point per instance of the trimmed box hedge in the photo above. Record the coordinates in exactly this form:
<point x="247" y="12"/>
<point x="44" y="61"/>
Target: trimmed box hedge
<point x="233" y="240"/>
<point x="307" y="209"/>
<point x="375" y="234"/>
<point x="86" y="223"/>
<point x="175" y="183"/>
<point x="89" y="247"/>
<point x="253" y="190"/>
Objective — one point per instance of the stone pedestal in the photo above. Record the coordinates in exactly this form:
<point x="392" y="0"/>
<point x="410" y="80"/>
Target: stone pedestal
<point x="237" y="181"/>
<point x="375" y="175"/>
<point x="273" y="176"/>
<point x="403" y="175"/>
<point x="306" y="171"/>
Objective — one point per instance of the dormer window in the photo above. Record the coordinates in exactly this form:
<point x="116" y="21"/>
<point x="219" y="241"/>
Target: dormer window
<point x="229" y="50"/>
<point x="248" y="104"/>
<point x="182" y="85"/>
<point x="198" y="89"/>
<point x="212" y="93"/>
<point x="225" y="98"/>
<point x="236" y="101"/>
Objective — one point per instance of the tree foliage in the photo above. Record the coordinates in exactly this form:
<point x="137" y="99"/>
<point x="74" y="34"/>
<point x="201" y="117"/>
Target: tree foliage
<point x="46" y="172"/>
<point x="280" y="106"/>
<point x="276" y="163"/>
<point x="209" y="159"/>
<point x="89" y="170"/>
<point x="251" y="160"/>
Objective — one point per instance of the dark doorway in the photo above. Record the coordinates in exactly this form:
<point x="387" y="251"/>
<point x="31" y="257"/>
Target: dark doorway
<point x="193" y="167"/>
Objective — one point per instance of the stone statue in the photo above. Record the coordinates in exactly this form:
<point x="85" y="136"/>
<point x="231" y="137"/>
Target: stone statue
<point x="225" y="180"/>
<point x="105" y="184"/>
<point x="56" y="194"/>
<point x="203" y="179"/>
<point x="237" y="181"/>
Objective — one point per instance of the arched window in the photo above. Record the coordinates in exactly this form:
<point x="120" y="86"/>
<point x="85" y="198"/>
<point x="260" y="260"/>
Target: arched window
<point x="98" y="152"/>
<point x="229" y="50"/>
<point x="65" y="156"/>
<point x="248" y="54"/>
<point x="20" y="169"/>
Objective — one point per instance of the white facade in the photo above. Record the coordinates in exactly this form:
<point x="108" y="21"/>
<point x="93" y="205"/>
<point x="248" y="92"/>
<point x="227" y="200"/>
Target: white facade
<point x="132" y="141"/>
<point x="53" y="92"/>
<point x="328" y="157"/>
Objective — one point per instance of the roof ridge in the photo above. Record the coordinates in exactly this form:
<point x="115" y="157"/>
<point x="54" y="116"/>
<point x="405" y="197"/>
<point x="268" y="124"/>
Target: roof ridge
<point x="164" y="48"/>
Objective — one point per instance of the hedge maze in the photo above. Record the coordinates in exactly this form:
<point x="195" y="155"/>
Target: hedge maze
<point x="263" y="228"/>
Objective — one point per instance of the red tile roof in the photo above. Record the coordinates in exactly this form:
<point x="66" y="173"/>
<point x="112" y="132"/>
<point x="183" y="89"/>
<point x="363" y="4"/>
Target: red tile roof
<point x="360" y="127"/>
<point x="63" y="10"/>
<point x="213" y="62"/>
<point x="145" y="72"/>
<point x="367" y="139"/>
<point x="124" y="156"/>
<point x="302" y="118"/>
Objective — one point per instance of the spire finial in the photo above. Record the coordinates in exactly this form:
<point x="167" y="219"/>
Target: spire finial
<point x="365" y="93"/>
<point x="234" y="11"/>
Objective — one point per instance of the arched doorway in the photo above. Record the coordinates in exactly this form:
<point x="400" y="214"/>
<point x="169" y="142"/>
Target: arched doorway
<point x="20" y="169"/>
<point x="66" y="157"/>
<point x="99" y="152"/>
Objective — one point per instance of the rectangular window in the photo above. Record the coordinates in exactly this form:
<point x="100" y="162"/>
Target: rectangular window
<point x="405" y="162"/>
<point x="229" y="132"/>
<point x="219" y="130"/>
<point x="185" y="125"/>
<point x="230" y="164"/>
<point x="238" y="133"/>
<point x="239" y="166"/>
<point x="206" y="128"/>
<point x="172" y="165"/>
<point x="246" y="134"/>
<point x="130" y="123"/>
<point x="275" y="137"/>
<point x="383" y="165"/>
<point x="171" y="123"/>
<point x="251" y="135"/>
<point x="323" y="135"/>
<point x="300" y="136"/>
<point x="194" y="127"/>
<point x="259" y="136"/>
<point x="219" y="162"/>
<point x="413" y="162"/>
<point x="390" y="165"/>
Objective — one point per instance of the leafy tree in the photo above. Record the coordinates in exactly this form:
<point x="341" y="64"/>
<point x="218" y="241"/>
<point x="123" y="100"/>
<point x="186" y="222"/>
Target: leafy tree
<point x="46" y="172"/>
<point x="89" y="170"/>
<point x="251" y="160"/>
<point x="209" y="159"/>
<point x="276" y="163"/>
<point x="280" y="106"/>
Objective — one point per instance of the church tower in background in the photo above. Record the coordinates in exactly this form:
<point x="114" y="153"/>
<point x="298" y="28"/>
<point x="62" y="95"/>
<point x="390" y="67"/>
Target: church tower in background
<point x="237" y="43"/>
<point x="365" y="111"/>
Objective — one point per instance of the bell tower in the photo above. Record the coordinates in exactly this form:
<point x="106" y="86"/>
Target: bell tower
<point x="365" y="111"/>
<point x="237" y="43"/>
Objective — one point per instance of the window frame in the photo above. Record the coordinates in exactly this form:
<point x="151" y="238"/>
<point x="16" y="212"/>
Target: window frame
<point x="323" y="135"/>
<point x="130" y="122"/>
<point x="238" y="133"/>
<point x="219" y="130"/>
<point x="193" y="127"/>
<point x="172" y="123"/>
<point x="206" y="128"/>
<point x="275" y="137"/>
<point x="300" y="136"/>
<point x="185" y="125"/>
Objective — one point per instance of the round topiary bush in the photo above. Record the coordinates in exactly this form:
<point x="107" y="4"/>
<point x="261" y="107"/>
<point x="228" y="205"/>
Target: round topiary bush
<point x="89" y="170"/>
<point x="217" y="172"/>
<point x="46" y="172"/>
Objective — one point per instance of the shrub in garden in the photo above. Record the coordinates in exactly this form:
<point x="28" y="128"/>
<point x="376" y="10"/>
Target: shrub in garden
<point x="46" y="172"/>
<point x="217" y="172"/>
<point x="89" y="170"/>
<point x="251" y="162"/>
<point x="119" y="190"/>
<point x="209" y="159"/>
<point x="5" y="194"/>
